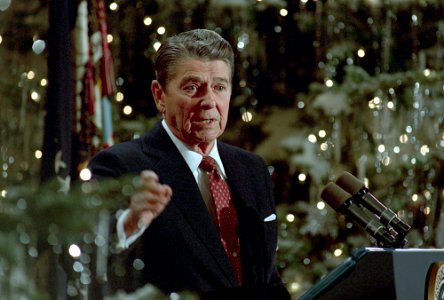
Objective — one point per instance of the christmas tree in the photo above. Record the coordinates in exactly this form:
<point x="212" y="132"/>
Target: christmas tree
<point x="321" y="87"/>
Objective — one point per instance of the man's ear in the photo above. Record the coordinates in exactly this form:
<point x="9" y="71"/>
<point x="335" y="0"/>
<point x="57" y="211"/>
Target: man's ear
<point x="158" y="94"/>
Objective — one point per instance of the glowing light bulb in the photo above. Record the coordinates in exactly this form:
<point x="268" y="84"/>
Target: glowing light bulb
<point x="127" y="110"/>
<point x="119" y="97"/>
<point x="30" y="75"/>
<point x="247" y="116"/>
<point x="113" y="6"/>
<point x="361" y="52"/>
<point x="424" y="150"/>
<point x="147" y="21"/>
<point x="312" y="138"/>
<point x="302" y="177"/>
<point x="85" y="174"/>
<point x="404" y="138"/>
<point x="156" y="45"/>
<point x="329" y="83"/>
<point x="290" y="218"/>
<point x="295" y="286"/>
<point x="386" y="161"/>
<point x="35" y="96"/>
<point x="38" y="154"/>
<point x="283" y="12"/>
<point x="337" y="252"/>
<point x="74" y="251"/>
<point x="324" y="146"/>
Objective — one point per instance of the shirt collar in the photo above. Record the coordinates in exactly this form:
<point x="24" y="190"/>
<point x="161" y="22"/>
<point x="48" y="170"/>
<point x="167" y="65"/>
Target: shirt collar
<point x="192" y="158"/>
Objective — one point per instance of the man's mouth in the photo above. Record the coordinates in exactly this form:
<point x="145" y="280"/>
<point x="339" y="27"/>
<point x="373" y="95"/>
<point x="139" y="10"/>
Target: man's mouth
<point x="205" y="121"/>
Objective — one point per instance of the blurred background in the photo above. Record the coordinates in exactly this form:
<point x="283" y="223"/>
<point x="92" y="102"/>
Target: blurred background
<point x="321" y="87"/>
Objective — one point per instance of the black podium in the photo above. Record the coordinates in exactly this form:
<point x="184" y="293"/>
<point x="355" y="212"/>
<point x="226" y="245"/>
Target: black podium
<point x="377" y="273"/>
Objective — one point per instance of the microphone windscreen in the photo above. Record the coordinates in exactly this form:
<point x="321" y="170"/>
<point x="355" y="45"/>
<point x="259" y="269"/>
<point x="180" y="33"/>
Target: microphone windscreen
<point x="334" y="195"/>
<point x="350" y="183"/>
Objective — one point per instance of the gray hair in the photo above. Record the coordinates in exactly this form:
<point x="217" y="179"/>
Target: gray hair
<point x="202" y="44"/>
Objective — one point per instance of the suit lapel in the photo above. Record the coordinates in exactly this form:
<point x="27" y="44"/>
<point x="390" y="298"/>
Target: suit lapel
<point x="238" y="177"/>
<point x="173" y="170"/>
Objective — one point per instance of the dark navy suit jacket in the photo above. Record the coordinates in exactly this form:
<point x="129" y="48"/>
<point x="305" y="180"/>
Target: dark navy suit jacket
<point x="181" y="249"/>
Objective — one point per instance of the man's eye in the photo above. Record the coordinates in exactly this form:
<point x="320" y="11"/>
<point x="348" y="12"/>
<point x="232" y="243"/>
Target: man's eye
<point x="220" y="88"/>
<point x="191" y="88"/>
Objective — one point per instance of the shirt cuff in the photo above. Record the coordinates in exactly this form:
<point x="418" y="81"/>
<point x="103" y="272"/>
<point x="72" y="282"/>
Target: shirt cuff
<point x="123" y="241"/>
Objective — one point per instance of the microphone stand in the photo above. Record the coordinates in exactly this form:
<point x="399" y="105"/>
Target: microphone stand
<point x="393" y="237"/>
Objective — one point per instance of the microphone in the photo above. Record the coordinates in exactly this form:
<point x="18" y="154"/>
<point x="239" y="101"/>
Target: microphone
<point x="361" y="194"/>
<point x="343" y="202"/>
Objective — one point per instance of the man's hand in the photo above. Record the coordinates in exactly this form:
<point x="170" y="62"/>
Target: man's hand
<point x="147" y="202"/>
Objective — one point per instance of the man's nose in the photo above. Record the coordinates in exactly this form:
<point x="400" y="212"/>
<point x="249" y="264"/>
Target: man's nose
<point x="208" y="99"/>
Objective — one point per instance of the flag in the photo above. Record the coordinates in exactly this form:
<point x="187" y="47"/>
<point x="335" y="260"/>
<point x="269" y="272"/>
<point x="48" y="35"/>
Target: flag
<point x="95" y="82"/>
<point x="106" y="74"/>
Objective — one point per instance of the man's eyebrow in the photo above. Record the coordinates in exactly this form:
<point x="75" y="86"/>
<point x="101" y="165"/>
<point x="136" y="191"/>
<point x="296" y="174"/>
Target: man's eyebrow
<point x="198" y="79"/>
<point x="222" y="79"/>
<point x="190" y="78"/>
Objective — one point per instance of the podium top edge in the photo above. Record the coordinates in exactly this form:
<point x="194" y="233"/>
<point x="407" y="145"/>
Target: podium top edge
<point x="376" y="249"/>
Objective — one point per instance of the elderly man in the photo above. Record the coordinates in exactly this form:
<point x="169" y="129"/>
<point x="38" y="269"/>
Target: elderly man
<point x="203" y="219"/>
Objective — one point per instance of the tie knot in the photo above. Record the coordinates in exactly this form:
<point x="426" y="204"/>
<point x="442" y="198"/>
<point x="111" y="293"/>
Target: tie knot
<point x="208" y="164"/>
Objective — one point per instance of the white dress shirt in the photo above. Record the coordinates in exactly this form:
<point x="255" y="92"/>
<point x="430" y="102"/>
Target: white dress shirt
<point x="193" y="160"/>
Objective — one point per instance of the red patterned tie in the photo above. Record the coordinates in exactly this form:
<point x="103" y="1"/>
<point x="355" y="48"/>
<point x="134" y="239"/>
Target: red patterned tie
<point x="226" y="214"/>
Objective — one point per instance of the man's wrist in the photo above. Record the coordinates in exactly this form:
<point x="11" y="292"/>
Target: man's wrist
<point x="124" y="239"/>
<point x="130" y="224"/>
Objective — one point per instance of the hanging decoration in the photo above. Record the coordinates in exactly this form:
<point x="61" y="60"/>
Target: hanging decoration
<point x="321" y="87"/>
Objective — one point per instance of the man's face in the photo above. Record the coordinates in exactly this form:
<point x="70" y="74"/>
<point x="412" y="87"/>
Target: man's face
<point x="195" y="101"/>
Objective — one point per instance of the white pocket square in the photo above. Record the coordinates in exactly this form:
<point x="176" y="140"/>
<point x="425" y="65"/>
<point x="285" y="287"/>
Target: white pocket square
<point x="270" y="218"/>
